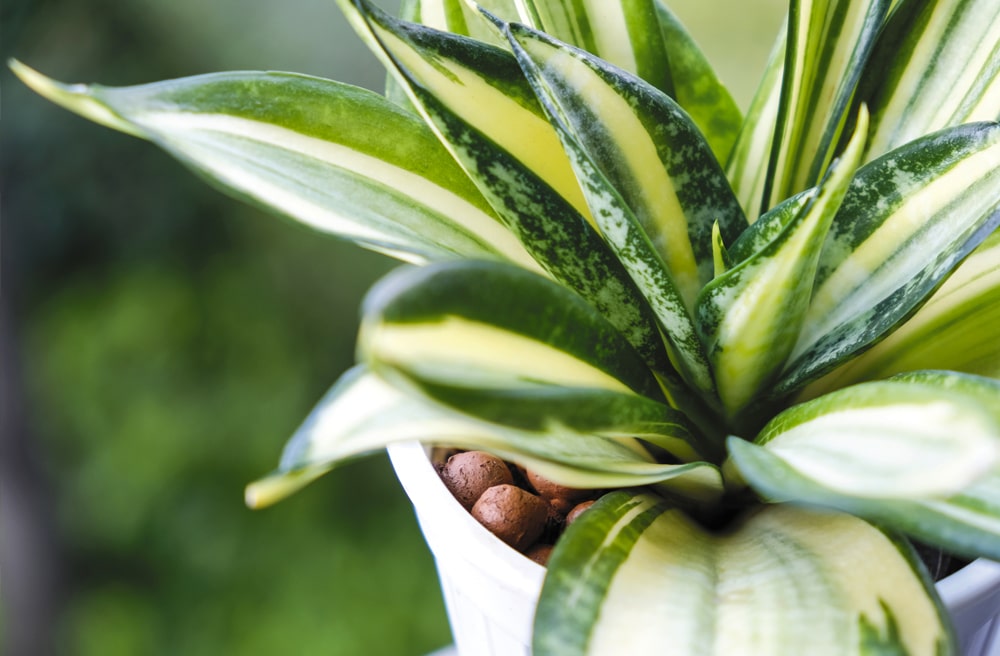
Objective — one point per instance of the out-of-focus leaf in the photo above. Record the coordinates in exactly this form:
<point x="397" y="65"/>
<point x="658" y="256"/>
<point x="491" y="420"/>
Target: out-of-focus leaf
<point x="306" y="148"/>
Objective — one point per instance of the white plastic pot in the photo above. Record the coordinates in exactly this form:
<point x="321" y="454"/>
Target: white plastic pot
<point x="490" y="590"/>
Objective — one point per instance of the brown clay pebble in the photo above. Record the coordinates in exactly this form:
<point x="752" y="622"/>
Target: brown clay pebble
<point x="577" y="511"/>
<point x="540" y="553"/>
<point x="514" y="515"/>
<point x="553" y="491"/>
<point x="467" y="475"/>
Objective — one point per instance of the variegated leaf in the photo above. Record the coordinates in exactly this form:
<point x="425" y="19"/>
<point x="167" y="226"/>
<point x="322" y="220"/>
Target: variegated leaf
<point x="485" y="112"/>
<point x="645" y="146"/>
<point x="304" y="147"/>
<point x="362" y="414"/>
<point x="463" y="17"/>
<point x="887" y="439"/>
<point x="919" y="453"/>
<point x="966" y="523"/>
<point x="634" y="576"/>
<point x="624" y="139"/>
<point x="936" y="65"/>
<point x="956" y="329"/>
<point x="908" y="219"/>
<point x="697" y="88"/>
<point x="680" y="70"/>
<point x="626" y="33"/>
<point x="746" y="167"/>
<point x="750" y="316"/>
<point x="535" y="355"/>
<point x="828" y="44"/>
<point x="478" y="84"/>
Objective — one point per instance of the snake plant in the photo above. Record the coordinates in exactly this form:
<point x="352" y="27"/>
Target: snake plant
<point x="773" y="336"/>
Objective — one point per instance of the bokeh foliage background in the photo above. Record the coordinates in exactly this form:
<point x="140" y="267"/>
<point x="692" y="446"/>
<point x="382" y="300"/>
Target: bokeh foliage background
<point x="160" y="342"/>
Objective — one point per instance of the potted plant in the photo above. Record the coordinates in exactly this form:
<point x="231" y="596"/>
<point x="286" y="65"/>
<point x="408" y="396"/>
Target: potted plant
<point x="772" y="336"/>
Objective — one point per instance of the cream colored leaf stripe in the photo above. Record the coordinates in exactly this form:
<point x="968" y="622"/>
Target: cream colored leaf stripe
<point x="955" y="330"/>
<point x="625" y="33"/>
<point x="908" y="219"/>
<point x="750" y="316"/>
<point x="300" y="155"/>
<point x="911" y="85"/>
<point x="523" y="195"/>
<point x="570" y="88"/>
<point x="634" y="575"/>
<point x="478" y="83"/>
<point x="497" y="326"/>
<point x="888" y="439"/>
<point x="746" y="167"/>
<point x="967" y="523"/>
<point x="362" y="413"/>
<point x="828" y="45"/>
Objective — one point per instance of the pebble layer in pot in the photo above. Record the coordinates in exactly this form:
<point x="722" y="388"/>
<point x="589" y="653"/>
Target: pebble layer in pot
<point x="771" y="337"/>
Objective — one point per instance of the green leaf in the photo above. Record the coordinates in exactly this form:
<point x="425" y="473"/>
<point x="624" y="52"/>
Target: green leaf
<point x="479" y="102"/>
<point x="919" y="453"/>
<point x="534" y="355"/>
<point x="645" y="146"/>
<point x="936" y="65"/>
<point x="660" y="52"/>
<point x="478" y="84"/>
<point x="304" y="147"/>
<point x="828" y="44"/>
<point x="955" y="330"/>
<point x="633" y="575"/>
<point x="749" y="317"/>
<point x="626" y="34"/>
<point x="362" y="414"/>
<point x="908" y="220"/>
<point x="655" y="209"/>
<point x="887" y="439"/>
<point x="463" y="17"/>
<point x="966" y="523"/>
<point x="697" y="88"/>
<point x="746" y="168"/>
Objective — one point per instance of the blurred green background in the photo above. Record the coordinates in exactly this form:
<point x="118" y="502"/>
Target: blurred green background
<point x="160" y="342"/>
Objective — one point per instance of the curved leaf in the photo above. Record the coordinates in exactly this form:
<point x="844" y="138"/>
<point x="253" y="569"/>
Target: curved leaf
<point x="534" y="355"/>
<point x="746" y="167"/>
<point x="936" y="64"/>
<point x="750" y="316"/>
<point x="908" y="219"/>
<point x="362" y="414"/>
<point x="633" y="575"/>
<point x="966" y="523"/>
<point x="625" y="34"/>
<point x="304" y="147"/>
<point x="888" y="439"/>
<point x="956" y="329"/>
<point x="486" y="114"/>
<point x="828" y="45"/>
<point x="697" y="88"/>
<point x="624" y="138"/>
<point x="919" y="454"/>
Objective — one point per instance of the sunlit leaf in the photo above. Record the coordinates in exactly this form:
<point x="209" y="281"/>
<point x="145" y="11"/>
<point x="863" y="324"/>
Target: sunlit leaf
<point x="478" y="100"/>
